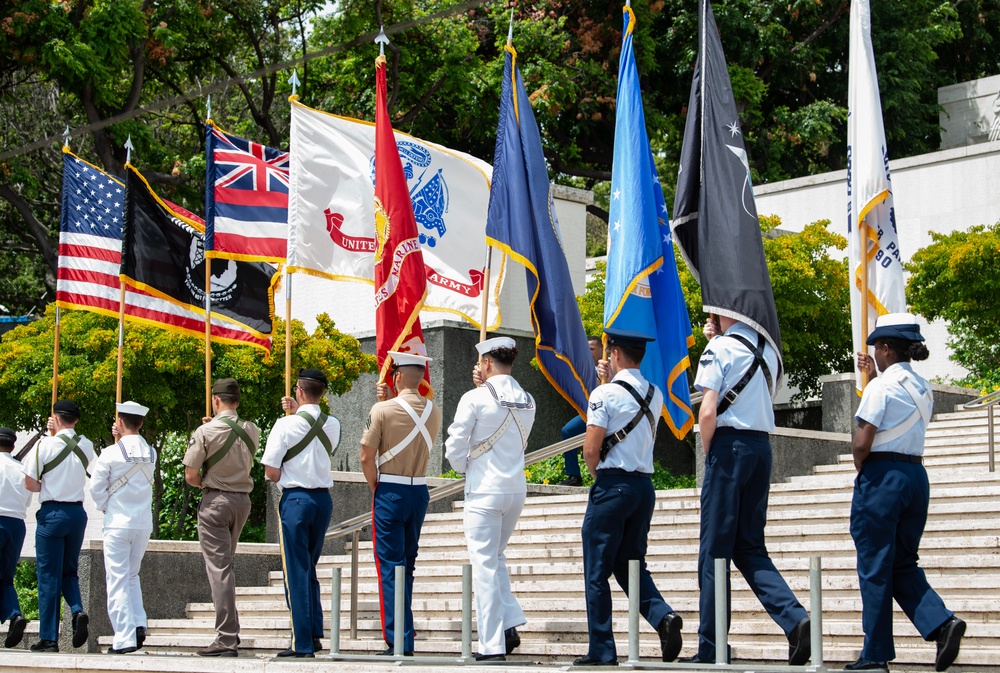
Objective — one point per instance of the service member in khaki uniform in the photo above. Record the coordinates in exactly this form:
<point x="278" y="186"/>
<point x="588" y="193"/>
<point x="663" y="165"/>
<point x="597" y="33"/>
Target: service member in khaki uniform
<point x="395" y="447"/>
<point x="218" y="461"/>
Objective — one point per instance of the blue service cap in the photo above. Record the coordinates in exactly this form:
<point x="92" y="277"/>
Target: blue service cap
<point x="895" y="326"/>
<point x="627" y="338"/>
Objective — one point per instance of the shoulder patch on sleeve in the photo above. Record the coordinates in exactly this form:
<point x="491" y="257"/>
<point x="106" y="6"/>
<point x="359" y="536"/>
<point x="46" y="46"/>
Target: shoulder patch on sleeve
<point x="368" y="423"/>
<point x="594" y="406"/>
<point x="707" y="357"/>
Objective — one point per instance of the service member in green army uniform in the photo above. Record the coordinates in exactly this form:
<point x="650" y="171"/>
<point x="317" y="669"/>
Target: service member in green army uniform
<point x="218" y="461"/>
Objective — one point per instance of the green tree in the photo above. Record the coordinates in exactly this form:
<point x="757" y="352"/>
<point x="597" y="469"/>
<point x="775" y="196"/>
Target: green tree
<point x="114" y="68"/>
<point x="165" y="372"/>
<point x="810" y="294"/>
<point x="953" y="279"/>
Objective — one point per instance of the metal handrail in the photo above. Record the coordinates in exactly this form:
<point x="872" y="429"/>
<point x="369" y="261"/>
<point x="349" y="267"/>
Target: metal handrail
<point x="355" y="525"/>
<point x="987" y="402"/>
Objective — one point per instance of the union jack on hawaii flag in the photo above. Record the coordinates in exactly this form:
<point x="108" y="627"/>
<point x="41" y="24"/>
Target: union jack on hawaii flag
<point x="90" y="254"/>
<point x="246" y="198"/>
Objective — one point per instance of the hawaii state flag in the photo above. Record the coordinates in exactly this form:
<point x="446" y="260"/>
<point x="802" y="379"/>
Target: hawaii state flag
<point x="642" y="291"/>
<point x="246" y="198"/>
<point x="869" y="190"/>
<point x="400" y="279"/>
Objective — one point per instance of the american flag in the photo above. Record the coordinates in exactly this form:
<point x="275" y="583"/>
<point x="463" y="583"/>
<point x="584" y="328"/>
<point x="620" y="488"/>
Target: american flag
<point x="246" y="198"/>
<point x="90" y="253"/>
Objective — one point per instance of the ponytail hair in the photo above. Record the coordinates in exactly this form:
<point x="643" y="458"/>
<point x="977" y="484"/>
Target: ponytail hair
<point x="907" y="350"/>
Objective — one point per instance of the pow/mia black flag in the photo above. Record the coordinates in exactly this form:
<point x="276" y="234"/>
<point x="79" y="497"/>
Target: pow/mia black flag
<point x="715" y="219"/>
<point x="163" y="253"/>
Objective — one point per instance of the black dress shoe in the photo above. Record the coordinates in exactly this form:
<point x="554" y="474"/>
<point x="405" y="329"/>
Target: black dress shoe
<point x="800" y="643"/>
<point x="863" y="664"/>
<point x="490" y="657"/>
<point x="140" y="636"/>
<point x="15" y="632"/>
<point x="669" y="631"/>
<point x="389" y="652"/>
<point x="297" y="655"/>
<point x="587" y="661"/>
<point x="572" y="480"/>
<point x="696" y="659"/>
<point x="81" y="630"/>
<point x="949" y="638"/>
<point x="45" y="646"/>
<point x="124" y="650"/>
<point x="511" y="639"/>
<point x="317" y="645"/>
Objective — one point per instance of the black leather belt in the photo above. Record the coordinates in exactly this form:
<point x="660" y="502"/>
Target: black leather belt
<point x="895" y="457"/>
<point x="62" y="502"/>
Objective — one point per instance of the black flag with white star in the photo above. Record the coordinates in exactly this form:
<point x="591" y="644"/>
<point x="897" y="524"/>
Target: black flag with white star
<point x="163" y="254"/>
<point x="715" y="219"/>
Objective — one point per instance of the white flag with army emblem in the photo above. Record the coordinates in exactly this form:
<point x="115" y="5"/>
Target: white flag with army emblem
<point x="869" y="189"/>
<point x="331" y="211"/>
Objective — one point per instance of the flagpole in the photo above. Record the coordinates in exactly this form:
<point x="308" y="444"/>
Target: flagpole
<point x="288" y="337"/>
<point x="121" y="341"/>
<point x="55" y="364"/>
<point x="486" y="294"/>
<point x="863" y="230"/>
<point x="208" y="337"/>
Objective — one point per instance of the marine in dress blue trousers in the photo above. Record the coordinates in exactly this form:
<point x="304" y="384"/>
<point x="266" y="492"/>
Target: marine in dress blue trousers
<point x="398" y="512"/>
<point x="58" y="539"/>
<point x="305" y="515"/>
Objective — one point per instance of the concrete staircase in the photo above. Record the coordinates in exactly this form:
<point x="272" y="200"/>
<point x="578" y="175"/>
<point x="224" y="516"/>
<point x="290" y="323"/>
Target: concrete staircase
<point x="807" y="516"/>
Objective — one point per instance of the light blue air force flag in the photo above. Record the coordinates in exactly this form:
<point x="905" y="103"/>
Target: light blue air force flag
<point x="642" y="289"/>
<point x="522" y="222"/>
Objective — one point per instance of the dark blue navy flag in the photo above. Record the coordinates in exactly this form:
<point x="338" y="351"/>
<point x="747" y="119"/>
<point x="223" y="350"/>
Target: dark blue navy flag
<point x="522" y="223"/>
<point x="715" y="219"/>
<point x="642" y="291"/>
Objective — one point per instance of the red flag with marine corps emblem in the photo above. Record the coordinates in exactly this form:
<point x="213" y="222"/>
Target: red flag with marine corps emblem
<point x="400" y="279"/>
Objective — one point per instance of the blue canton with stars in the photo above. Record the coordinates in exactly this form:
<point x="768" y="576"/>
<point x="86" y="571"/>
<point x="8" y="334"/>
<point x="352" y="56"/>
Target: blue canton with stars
<point x="93" y="201"/>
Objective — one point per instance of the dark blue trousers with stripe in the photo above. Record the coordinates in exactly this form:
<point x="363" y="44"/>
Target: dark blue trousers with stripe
<point x="58" y="538"/>
<point x="11" y="541"/>
<point x="615" y="531"/>
<point x="888" y="514"/>
<point x="397" y="514"/>
<point x="733" y="515"/>
<point x="305" y="516"/>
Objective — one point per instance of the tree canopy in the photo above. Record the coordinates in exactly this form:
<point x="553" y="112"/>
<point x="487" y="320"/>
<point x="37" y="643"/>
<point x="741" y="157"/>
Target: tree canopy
<point x="954" y="279"/>
<point x="113" y="68"/>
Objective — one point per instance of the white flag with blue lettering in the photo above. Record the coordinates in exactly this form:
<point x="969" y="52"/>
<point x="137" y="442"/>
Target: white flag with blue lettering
<point x="869" y="189"/>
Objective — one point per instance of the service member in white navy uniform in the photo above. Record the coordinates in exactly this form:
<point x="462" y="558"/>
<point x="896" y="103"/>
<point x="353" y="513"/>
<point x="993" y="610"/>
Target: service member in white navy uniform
<point x="14" y="501"/>
<point x="618" y="449"/>
<point x="395" y="448"/>
<point x="486" y="443"/>
<point x="891" y="495"/>
<point x="57" y="469"/>
<point x="121" y="484"/>
<point x="736" y="374"/>
<point x="297" y="459"/>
